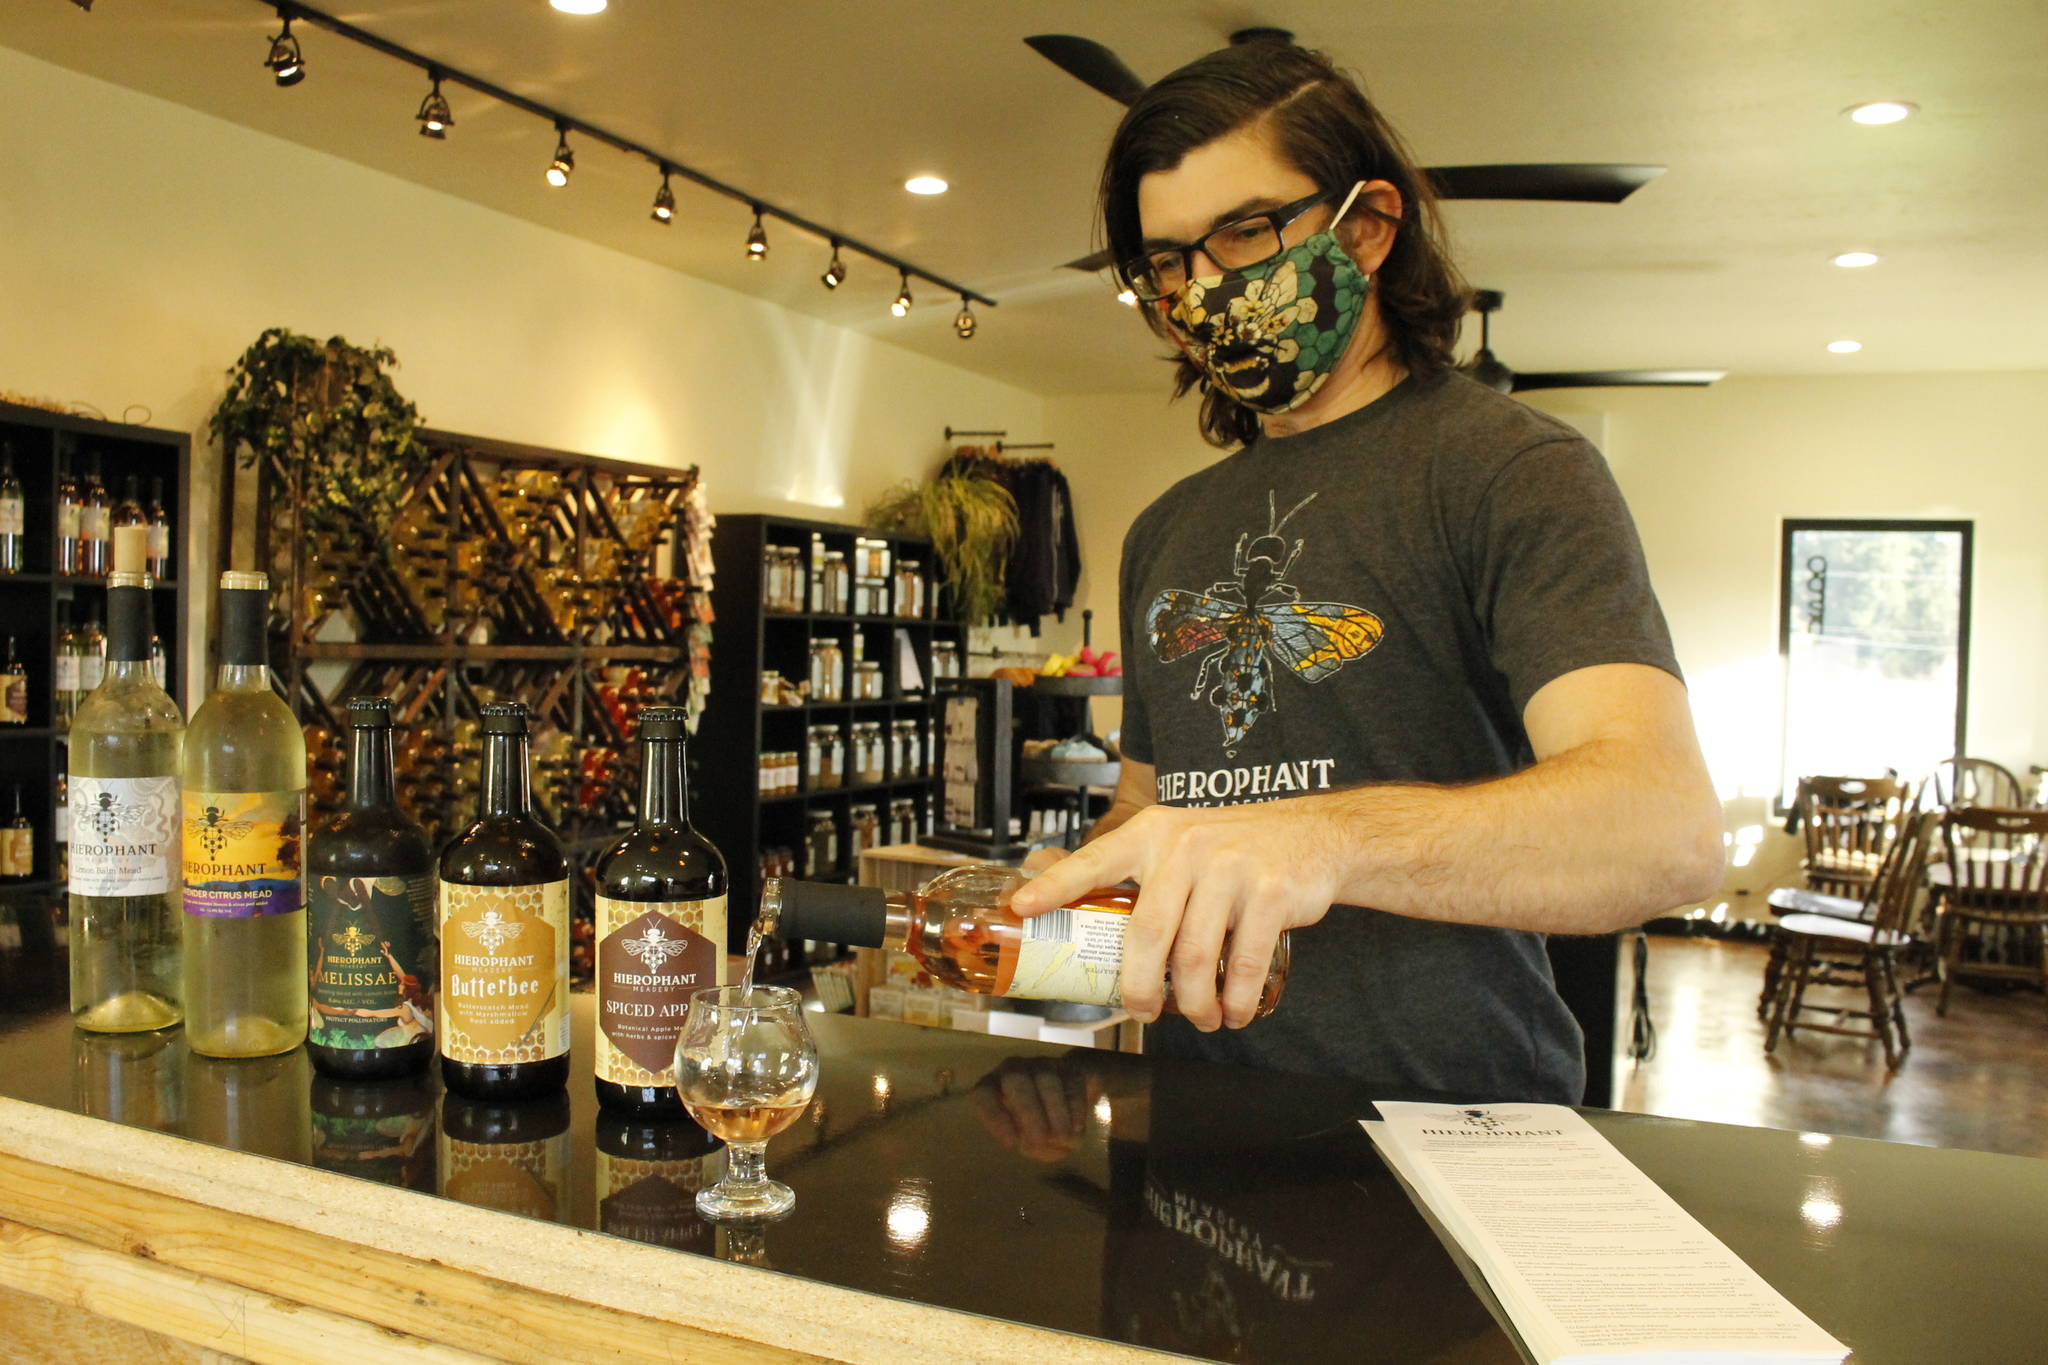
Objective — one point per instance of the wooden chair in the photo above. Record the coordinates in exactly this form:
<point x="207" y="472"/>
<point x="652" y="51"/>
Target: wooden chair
<point x="1828" y="951"/>
<point x="1976" y="782"/>
<point x="1848" y="823"/>
<point x="1998" y="887"/>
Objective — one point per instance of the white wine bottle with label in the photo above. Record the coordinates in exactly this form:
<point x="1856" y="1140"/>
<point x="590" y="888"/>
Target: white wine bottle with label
<point x="126" y="752"/>
<point x="245" y="821"/>
<point x="959" y="925"/>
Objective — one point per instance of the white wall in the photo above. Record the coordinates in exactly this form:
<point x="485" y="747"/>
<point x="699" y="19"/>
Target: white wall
<point x="143" y="246"/>
<point x="1710" y="475"/>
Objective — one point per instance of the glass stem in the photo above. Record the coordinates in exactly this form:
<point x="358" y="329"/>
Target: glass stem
<point x="746" y="1163"/>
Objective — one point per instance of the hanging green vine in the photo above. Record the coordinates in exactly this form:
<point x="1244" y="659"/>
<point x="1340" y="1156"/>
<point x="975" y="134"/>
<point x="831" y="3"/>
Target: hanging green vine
<point x="329" y="409"/>
<point x="971" y="522"/>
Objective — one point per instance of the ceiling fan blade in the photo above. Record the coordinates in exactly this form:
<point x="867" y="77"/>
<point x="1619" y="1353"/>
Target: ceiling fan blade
<point x="1091" y="263"/>
<point x="1090" y="63"/>
<point x="1588" y="183"/>
<point x="1617" y="379"/>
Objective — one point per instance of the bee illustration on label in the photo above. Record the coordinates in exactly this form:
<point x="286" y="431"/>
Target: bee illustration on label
<point x="492" y="930"/>
<point x="652" y="948"/>
<point x="1236" y="624"/>
<point x="215" y="833"/>
<point x="106" y="816"/>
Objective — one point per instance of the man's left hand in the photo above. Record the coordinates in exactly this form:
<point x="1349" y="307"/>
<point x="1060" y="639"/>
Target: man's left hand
<point x="1263" y="869"/>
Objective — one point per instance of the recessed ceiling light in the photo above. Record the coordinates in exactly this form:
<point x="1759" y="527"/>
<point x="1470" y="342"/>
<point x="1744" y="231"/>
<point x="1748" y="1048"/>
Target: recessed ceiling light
<point x="1852" y="260"/>
<point x="1845" y="347"/>
<point x="1883" y="111"/>
<point x="925" y="184"/>
<point x="579" y="6"/>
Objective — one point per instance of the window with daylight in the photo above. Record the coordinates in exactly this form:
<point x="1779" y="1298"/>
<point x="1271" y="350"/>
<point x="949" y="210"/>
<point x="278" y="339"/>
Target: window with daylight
<point x="1874" y="630"/>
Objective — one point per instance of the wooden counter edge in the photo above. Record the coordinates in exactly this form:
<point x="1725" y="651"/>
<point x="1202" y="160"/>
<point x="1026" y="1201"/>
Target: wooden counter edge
<point x="412" y="1266"/>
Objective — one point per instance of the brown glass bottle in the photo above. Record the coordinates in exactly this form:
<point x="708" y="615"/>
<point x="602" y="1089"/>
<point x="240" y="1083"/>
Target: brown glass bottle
<point x="370" y="920"/>
<point x="959" y="925"/>
<point x="660" y="928"/>
<point x="503" y="913"/>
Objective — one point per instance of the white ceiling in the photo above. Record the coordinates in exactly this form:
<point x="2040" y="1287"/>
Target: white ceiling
<point x="826" y="106"/>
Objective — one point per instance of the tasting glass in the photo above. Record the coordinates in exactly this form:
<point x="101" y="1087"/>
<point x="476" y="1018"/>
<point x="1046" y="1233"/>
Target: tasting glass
<point x="745" y="1069"/>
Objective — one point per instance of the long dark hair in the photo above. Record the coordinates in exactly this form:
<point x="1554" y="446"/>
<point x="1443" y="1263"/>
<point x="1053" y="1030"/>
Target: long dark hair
<point x="1325" y="127"/>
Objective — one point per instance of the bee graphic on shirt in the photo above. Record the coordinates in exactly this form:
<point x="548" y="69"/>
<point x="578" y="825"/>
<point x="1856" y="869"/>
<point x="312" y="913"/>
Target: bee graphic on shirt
<point x="1237" y="624"/>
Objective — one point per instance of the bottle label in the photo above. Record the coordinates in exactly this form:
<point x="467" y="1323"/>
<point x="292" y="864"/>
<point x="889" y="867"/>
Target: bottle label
<point x="650" y="959"/>
<point x="504" y="973"/>
<point x="67" y="672"/>
<point x="92" y="671"/>
<point x="242" y="854"/>
<point x="1072" y="954"/>
<point x="10" y="517"/>
<point x="368" y="938"/>
<point x="68" y="520"/>
<point x="526" y="1178"/>
<point x="93" y="523"/>
<point x="13" y="699"/>
<point x="17" y="853"/>
<point x="159" y="540"/>
<point x="124" y="835"/>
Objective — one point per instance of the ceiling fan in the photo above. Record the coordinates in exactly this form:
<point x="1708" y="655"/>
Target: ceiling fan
<point x="1487" y="368"/>
<point x="1579" y="182"/>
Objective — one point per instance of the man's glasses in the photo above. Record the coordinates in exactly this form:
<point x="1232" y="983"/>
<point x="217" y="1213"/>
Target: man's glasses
<point x="1237" y="245"/>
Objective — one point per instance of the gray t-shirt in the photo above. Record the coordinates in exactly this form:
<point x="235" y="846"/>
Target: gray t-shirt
<point x="1376" y="600"/>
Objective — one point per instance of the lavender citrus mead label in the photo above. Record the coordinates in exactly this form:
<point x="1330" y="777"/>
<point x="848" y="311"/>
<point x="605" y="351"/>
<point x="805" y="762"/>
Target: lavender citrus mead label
<point x="242" y="853"/>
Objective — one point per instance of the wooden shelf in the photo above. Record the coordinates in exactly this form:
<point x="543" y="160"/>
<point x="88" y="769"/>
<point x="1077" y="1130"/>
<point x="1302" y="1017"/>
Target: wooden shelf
<point x="858" y="789"/>
<point x="429" y="651"/>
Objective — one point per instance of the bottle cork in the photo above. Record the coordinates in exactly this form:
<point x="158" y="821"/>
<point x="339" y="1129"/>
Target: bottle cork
<point x="131" y="548"/>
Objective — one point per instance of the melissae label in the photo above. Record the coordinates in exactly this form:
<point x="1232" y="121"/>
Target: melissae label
<point x="651" y="957"/>
<point x="124" y="835"/>
<point x="368" y="942"/>
<point x="242" y="853"/>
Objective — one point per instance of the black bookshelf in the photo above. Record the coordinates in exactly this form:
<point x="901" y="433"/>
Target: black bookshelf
<point x="737" y="728"/>
<point x="33" y="755"/>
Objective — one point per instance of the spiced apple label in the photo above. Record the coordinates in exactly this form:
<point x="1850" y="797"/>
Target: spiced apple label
<point x="651" y="958"/>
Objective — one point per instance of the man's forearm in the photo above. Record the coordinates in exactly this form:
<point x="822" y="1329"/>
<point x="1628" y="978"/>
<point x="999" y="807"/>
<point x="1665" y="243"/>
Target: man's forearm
<point x="1590" y="840"/>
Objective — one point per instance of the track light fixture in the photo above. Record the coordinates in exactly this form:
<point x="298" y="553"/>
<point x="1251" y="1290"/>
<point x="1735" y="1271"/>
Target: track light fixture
<point x="564" y="164"/>
<point x="284" y="61"/>
<point x="434" y="116"/>
<point x="664" y="200"/>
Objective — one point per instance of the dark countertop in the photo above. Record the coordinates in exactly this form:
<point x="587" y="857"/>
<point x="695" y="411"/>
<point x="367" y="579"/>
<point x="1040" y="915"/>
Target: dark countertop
<point x="1229" y="1215"/>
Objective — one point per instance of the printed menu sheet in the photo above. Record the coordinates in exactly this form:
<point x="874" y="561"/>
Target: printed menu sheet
<point x="1592" y="1262"/>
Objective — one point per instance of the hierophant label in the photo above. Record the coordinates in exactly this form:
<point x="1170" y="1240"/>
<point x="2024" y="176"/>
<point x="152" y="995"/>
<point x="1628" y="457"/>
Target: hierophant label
<point x="124" y="835"/>
<point x="371" y="966"/>
<point x="504" y="973"/>
<point x="242" y="853"/>
<point x="651" y="958"/>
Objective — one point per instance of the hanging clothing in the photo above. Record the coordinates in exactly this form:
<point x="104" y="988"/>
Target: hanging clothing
<point x="1045" y="562"/>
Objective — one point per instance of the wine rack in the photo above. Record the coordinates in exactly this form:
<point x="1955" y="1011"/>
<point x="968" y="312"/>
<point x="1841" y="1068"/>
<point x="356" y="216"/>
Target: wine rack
<point x="33" y="755"/>
<point x="504" y="572"/>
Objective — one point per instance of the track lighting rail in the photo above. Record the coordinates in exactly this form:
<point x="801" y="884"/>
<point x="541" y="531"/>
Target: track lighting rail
<point x="570" y="124"/>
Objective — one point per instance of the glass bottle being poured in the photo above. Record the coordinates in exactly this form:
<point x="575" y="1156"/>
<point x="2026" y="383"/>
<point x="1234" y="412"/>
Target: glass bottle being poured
<point x="959" y="925"/>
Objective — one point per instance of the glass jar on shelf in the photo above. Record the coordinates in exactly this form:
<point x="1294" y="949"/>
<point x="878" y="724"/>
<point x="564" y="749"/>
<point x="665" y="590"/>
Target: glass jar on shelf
<point x="826" y="756"/>
<point x="903" y="816"/>
<point x="771" y="687"/>
<point x="864" y="829"/>
<point x="821" y="846"/>
<point x="837" y="584"/>
<point x="866" y="766"/>
<point x="867" y="681"/>
<point x="945" y="659"/>
<point x="909" y="588"/>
